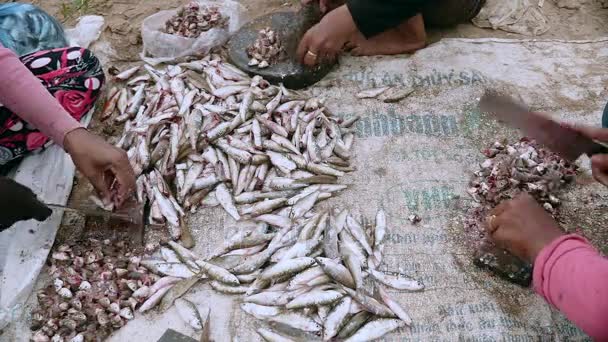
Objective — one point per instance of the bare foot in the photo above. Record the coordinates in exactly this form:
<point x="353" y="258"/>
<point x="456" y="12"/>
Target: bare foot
<point x="408" y="37"/>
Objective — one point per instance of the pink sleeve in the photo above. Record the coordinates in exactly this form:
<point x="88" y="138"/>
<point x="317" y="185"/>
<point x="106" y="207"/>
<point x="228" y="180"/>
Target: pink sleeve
<point x="571" y="275"/>
<point x="24" y="95"/>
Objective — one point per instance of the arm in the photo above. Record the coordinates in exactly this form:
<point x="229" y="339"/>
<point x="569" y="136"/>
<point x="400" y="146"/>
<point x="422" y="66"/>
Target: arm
<point x="374" y="17"/>
<point x="24" y="95"/>
<point x="571" y="275"/>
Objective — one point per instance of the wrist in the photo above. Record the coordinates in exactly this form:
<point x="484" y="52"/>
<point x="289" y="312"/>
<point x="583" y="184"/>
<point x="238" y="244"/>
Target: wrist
<point x="71" y="138"/>
<point x="551" y="235"/>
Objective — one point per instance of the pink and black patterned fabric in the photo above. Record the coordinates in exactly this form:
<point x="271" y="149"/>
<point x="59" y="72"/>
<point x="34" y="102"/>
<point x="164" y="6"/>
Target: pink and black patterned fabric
<point x="73" y="75"/>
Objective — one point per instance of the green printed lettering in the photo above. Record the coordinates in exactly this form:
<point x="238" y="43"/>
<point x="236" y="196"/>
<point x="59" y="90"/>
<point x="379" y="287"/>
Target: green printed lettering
<point x="448" y="124"/>
<point x="411" y="199"/>
<point x="431" y="198"/>
<point x="414" y="123"/>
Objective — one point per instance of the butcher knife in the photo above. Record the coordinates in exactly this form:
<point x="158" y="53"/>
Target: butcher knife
<point x="130" y="218"/>
<point x="567" y="142"/>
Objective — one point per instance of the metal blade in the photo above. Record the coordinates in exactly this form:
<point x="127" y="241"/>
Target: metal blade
<point x="566" y="142"/>
<point x="129" y="219"/>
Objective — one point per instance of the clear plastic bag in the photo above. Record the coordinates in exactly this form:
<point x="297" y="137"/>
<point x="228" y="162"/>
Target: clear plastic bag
<point x="160" y="47"/>
<point x="25" y="28"/>
<point x="518" y="16"/>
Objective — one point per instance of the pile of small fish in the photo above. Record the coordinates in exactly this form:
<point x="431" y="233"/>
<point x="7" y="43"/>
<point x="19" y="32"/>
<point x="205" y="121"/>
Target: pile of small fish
<point x="386" y="94"/>
<point x="311" y="273"/>
<point x="96" y="287"/>
<point x="194" y="19"/>
<point x="266" y="49"/>
<point x="203" y="133"/>
<point x="511" y="169"/>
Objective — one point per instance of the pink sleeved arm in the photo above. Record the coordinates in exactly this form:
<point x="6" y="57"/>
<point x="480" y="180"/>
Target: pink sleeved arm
<point x="24" y="95"/>
<point x="571" y="275"/>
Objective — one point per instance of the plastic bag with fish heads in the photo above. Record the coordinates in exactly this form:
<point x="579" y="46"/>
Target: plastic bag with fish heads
<point x="25" y="28"/>
<point x="160" y="47"/>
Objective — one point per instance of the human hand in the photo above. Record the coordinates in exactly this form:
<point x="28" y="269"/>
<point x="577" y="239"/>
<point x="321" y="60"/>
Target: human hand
<point x="107" y="167"/>
<point x="19" y="203"/>
<point x="599" y="162"/>
<point x="325" y="40"/>
<point x="522" y="227"/>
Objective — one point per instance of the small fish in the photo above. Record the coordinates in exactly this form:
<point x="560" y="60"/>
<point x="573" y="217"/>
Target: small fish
<point x="304" y="205"/>
<point x="174" y="269"/>
<point x="354" y="266"/>
<point x="110" y="105"/>
<point x="126" y="74"/>
<point x="226" y="201"/>
<point x="336" y="271"/>
<point x="275" y="220"/>
<point x="260" y="311"/>
<point x="336" y="318"/>
<point x="281" y="162"/>
<point x="169" y="255"/>
<point x="154" y="299"/>
<point x="314" y="298"/>
<point x="357" y="231"/>
<point x="297" y="321"/>
<point x="287" y="267"/>
<point x="178" y="290"/>
<point x="137" y="100"/>
<point x="397" y="281"/>
<point x="230" y="90"/>
<point x="394" y="306"/>
<point x="188" y="312"/>
<point x="163" y="282"/>
<point x="371" y="93"/>
<point x="353" y="324"/>
<point x="304" y="277"/>
<point x="396" y="94"/>
<point x="264" y="207"/>
<point x="380" y="229"/>
<point x="369" y="303"/>
<point x="271" y="336"/>
<point x="223" y="288"/>
<point x="218" y="273"/>
<point x="376" y="328"/>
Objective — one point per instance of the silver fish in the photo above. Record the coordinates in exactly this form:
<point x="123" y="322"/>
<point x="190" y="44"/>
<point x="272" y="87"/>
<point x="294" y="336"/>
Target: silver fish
<point x="313" y="298"/>
<point x="357" y="231"/>
<point x="394" y="306"/>
<point x="369" y="303"/>
<point x="354" y="323"/>
<point x="371" y="93"/>
<point x="376" y="328"/>
<point x="271" y="336"/>
<point x="336" y="271"/>
<point x="297" y="321"/>
<point x="397" y="281"/>
<point x="126" y="74"/>
<point x="287" y="267"/>
<point x="226" y="201"/>
<point x="218" y="273"/>
<point x="188" y="312"/>
<point x="336" y="318"/>
<point x="260" y="311"/>
<point x="154" y="299"/>
<point x="223" y="288"/>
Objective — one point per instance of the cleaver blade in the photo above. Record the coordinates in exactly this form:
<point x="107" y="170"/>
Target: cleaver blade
<point x="563" y="140"/>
